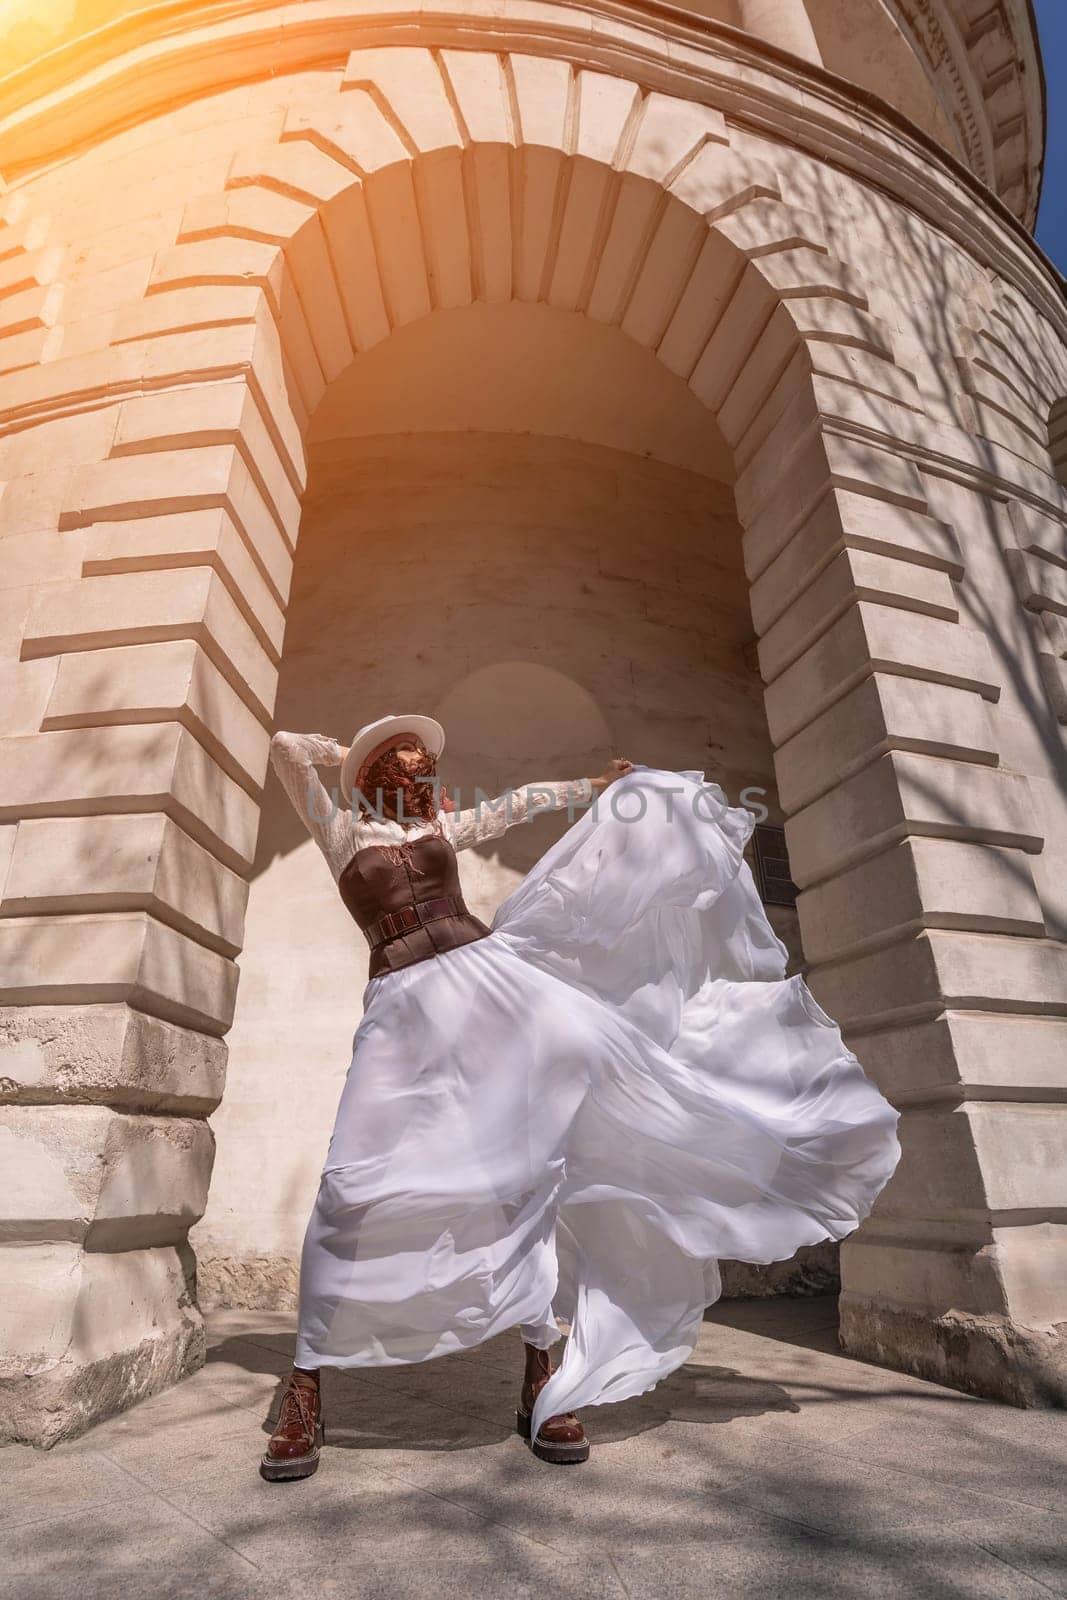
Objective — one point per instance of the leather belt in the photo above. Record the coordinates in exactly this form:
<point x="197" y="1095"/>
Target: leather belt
<point x="406" y="918"/>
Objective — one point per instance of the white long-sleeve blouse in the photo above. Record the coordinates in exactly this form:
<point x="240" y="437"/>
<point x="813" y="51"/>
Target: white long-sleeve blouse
<point x="339" y="830"/>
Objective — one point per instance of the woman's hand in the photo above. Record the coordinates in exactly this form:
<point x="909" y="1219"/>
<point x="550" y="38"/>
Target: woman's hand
<point x="614" y="769"/>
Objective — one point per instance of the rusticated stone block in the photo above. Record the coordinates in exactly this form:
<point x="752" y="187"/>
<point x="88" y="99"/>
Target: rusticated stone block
<point x="207" y="414"/>
<point x="943" y="970"/>
<point x="1054" y="676"/>
<point x="352" y="126"/>
<point x="967" y="1053"/>
<point x="409" y="79"/>
<point x="933" y="883"/>
<point x="981" y="1158"/>
<point x="299" y="169"/>
<point x="1041" y="585"/>
<point x="902" y="794"/>
<point x="790" y="475"/>
<point x="1038" y="534"/>
<point x="145" y="767"/>
<point x="88" y="1333"/>
<point x="841" y="521"/>
<point x="870" y="638"/>
<point x="125" y="608"/>
<point x="208" y="538"/>
<point x="108" y="1054"/>
<point x="119" y="956"/>
<point x="172" y="681"/>
<point x="853" y="575"/>
<point x="884" y="712"/>
<point x="100" y="1178"/>
<point x="155" y="483"/>
<point x="119" y="863"/>
<point x="670" y="130"/>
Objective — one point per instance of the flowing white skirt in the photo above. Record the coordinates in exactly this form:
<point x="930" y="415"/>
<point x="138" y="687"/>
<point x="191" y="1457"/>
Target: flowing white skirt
<point x="579" y="1115"/>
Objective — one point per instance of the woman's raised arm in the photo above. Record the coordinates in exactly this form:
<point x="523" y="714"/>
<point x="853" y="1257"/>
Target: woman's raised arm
<point x="488" y="819"/>
<point x="294" y="757"/>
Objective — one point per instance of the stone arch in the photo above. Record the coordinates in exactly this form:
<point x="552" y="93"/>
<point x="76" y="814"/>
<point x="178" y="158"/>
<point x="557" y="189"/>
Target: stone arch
<point x="423" y="179"/>
<point x="417" y="179"/>
<point x="626" y="205"/>
<point x="379" y="204"/>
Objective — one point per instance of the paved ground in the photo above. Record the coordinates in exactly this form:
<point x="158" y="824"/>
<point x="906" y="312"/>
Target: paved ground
<point x="770" y="1465"/>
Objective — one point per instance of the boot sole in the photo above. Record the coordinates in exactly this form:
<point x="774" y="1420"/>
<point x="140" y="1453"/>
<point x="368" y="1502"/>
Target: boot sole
<point x="558" y="1455"/>
<point x="286" y="1471"/>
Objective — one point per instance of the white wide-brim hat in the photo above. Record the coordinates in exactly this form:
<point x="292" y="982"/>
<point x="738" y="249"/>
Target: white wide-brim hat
<point x="374" y="738"/>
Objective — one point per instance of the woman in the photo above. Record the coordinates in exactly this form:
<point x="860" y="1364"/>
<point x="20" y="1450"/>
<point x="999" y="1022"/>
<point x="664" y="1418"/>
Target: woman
<point x="573" y="1113"/>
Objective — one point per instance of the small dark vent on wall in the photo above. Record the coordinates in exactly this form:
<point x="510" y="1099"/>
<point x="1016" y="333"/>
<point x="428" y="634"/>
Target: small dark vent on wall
<point x="773" y="879"/>
<point x="1057" y="439"/>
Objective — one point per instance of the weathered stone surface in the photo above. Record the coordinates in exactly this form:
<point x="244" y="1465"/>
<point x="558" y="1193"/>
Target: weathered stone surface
<point x="129" y="956"/>
<point x="977" y="1352"/>
<point x="872" y="637"/>
<point x="886" y="711"/>
<point x="100" y="1178"/>
<point x="109" y="1054"/>
<point x="920" y="882"/>
<point x="944" y="970"/>
<point x="967" y="1054"/>
<point x="902" y="794"/>
<point x="272" y="1282"/>
<point x="86" y="1334"/>
<point x="143" y="862"/>
<point x="175" y="680"/>
<point x="149" y="767"/>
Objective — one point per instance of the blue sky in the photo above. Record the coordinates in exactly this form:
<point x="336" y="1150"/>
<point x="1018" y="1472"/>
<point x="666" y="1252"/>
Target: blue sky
<point x="1052" y="221"/>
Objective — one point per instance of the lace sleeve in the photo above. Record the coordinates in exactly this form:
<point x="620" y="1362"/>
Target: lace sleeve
<point x="488" y="819"/>
<point x="329" y="822"/>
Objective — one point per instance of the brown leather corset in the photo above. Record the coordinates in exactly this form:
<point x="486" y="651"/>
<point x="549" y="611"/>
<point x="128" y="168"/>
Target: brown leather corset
<point x="412" y="911"/>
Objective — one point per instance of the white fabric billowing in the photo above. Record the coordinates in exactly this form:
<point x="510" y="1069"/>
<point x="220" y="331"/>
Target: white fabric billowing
<point x="582" y="1113"/>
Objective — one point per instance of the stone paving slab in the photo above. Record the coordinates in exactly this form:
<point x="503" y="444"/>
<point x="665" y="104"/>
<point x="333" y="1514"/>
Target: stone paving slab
<point x="771" y="1464"/>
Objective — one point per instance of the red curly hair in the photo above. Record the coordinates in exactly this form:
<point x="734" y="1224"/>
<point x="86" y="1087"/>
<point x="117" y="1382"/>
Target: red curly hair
<point x="404" y="794"/>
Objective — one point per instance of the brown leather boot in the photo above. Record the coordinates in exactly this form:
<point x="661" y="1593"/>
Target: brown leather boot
<point x="561" y="1439"/>
<point x="293" y="1450"/>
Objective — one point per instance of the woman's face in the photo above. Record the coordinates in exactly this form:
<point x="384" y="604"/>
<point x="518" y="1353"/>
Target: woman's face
<point x="411" y="753"/>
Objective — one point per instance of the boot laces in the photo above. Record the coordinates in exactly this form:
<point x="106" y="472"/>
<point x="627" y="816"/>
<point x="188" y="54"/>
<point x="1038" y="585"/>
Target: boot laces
<point x="298" y="1405"/>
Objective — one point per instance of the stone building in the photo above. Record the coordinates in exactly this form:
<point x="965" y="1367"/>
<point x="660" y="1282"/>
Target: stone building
<point x="523" y="363"/>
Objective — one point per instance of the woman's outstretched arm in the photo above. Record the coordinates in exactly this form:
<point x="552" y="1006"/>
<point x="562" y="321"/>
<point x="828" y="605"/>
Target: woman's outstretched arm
<point x="294" y="757"/>
<point x="488" y="819"/>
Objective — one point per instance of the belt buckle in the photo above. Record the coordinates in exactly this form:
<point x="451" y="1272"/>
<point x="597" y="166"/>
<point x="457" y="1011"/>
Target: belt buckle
<point x="405" y="919"/>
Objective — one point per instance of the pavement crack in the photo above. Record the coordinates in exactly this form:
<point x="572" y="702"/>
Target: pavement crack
<point x="1057" y="1593"/>
<point x="167" y="1501"/>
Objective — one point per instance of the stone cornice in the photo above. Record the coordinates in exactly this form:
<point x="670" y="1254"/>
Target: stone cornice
<point x="130" y="71"/>
<point x="982" y="57"/>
